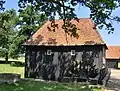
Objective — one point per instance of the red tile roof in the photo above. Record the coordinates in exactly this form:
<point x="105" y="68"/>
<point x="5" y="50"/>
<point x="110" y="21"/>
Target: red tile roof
<point x="113" y="52"/>
<point x="88" y="35"/>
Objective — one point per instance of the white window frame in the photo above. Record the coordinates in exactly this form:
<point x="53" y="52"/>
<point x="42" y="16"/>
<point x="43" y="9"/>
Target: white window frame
<point x="49" y="52"/>
<point x="72" y="52"/>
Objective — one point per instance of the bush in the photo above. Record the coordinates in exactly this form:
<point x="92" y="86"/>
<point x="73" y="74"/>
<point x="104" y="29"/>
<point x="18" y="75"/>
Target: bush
<point x="17" y="64"/>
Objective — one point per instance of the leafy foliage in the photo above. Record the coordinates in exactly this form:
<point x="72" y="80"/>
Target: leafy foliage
<point x="100" y="10"/>
<point x="30" y="20"/>
<point x="12" y="37"/>
<point x="8" y="21"/>
<point x="1" y="4"/>
<point x="16" y="47"/>
<point x="17" y="64"/>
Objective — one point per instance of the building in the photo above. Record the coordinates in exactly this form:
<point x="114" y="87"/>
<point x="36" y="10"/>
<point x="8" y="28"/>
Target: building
<point x="113" y="56"/>
<point x="51" y="54"/>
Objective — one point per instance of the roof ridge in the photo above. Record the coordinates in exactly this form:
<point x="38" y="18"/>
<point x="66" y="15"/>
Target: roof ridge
<point x="71" y="19"/>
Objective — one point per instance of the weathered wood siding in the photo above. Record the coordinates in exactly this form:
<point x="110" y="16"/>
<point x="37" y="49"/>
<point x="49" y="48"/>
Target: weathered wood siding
<point x="112" y="63"/>
<point x="40" y="65"/>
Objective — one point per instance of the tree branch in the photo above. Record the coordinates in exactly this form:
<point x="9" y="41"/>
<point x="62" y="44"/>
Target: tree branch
<point x="60" y="4"/>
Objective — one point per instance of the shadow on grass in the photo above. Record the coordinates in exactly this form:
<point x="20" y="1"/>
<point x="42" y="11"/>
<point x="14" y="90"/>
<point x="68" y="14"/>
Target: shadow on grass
<point x="46" y="86"/>
<point x="13" y="63"/>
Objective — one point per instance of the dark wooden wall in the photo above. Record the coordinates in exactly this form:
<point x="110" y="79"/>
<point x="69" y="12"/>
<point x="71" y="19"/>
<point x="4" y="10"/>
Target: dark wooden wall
<point x="40" y="65"/>
<point x="112" y="63"/>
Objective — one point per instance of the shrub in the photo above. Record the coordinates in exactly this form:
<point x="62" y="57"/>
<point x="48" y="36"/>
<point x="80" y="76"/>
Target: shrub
<point x="17" y="64"/>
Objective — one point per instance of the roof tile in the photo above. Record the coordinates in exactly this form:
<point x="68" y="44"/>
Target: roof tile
<point x="113" y="52"/>
<point x="88" y="35"/>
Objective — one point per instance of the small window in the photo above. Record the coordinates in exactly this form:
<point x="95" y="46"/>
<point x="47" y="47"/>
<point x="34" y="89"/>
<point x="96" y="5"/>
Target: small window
<point x="49" y="52"/>
<point x="72" y="52"/>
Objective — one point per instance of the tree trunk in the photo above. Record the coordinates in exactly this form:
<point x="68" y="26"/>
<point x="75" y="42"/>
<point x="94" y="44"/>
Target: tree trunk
<point x="6" y="57"/>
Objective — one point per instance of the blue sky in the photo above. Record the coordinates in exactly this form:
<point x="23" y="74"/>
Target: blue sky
<point x="83" y="12"/>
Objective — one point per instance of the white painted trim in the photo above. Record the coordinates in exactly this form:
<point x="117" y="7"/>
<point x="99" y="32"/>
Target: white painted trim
<point x="72" y="52"/>
<point x="49" y="52"/>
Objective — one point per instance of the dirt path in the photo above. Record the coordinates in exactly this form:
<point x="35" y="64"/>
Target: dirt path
<point x="114" y="81"/>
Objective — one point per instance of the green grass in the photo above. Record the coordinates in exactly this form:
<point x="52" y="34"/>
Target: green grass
<point x="7" y="68"/>
<point x="44" y="86"/>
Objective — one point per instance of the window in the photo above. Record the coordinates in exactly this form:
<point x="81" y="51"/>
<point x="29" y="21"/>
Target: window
<point x="72" y="52"/>
<point x="49" y="52"/>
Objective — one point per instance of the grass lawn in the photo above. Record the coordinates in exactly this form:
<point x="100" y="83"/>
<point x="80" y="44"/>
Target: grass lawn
<point x="42" y="86"/>
<point x="7" y="68"/>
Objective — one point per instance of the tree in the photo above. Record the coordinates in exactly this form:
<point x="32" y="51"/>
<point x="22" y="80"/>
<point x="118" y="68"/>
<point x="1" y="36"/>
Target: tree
<point x="29" y="21"/>
<point x="100" y="10"/>
<point x="8" y="20"/>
